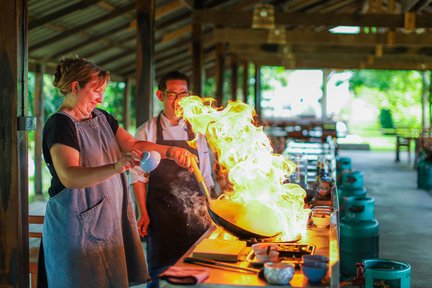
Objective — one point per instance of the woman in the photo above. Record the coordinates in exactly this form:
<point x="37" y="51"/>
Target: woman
<point x="90" y="237"/>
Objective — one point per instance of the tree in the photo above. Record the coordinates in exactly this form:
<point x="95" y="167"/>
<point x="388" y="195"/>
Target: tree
<point x="396" y="91"/>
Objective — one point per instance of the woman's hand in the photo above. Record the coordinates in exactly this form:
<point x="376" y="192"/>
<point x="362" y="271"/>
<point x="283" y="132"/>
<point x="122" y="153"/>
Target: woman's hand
<point x="182" y="157"/>
<point x="126" y="162"/>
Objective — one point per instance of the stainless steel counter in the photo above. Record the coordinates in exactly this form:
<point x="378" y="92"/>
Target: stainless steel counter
<point x="325" y="241"/>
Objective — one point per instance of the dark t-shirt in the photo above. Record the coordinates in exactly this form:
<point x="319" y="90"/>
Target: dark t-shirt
<point x="60" y="128"/>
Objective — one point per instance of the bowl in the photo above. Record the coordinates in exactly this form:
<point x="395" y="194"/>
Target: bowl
<point x="315" y="258"/>
<point x="314" y="271"/>
<point x="321" y="220"/>
<point x="278" y="273"/>
<point x="150" y="160"/>
<point x="262" y="247"/>
<point x="263" y="256"/>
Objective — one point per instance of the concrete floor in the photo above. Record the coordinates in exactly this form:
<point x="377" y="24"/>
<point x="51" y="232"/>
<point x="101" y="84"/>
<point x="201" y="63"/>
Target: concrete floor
<point x="403" y="211"/>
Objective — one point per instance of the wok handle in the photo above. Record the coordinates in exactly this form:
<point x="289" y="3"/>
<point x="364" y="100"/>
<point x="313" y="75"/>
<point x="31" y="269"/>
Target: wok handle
<point x="200" y="179"/>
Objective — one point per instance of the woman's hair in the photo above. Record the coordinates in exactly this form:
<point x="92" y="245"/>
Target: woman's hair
<point x="80" y="70"/>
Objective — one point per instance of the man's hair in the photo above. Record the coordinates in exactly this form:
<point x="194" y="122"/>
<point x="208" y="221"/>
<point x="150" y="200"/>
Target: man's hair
<point x="172" y="75"/>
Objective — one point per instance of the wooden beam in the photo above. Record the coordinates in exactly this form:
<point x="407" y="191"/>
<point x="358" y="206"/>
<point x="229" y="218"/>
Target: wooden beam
<point x="39" y="114"/>
<point x="320" y="38"/>
<point x="144" y="64"/>
<point x="220" y="72"/>
<point x="174" y="35"/>
<point x="243" y="19"/>
<point x="88" y="41"/>
<point x="14" y="259"/>
<point x="82" y="27"/>
<point x="126" y="102"/>
<point x="60" y="13"/>
<point x="245" y="81"/>
<point x="257" y="100"/>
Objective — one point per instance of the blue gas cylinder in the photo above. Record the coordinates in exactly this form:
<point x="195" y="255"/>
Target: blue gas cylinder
<point x="359" y="234"/>
<point x="386" y="273"/>
<point x="344" y="194"/>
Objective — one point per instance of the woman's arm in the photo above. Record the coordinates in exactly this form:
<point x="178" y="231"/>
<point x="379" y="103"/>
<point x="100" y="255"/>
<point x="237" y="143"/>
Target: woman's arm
<point x="128" y="144"/>
<point x="72" y="175"/>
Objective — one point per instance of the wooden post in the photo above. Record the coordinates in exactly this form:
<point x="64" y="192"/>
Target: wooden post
<point x="220" y="68"/>
<point x="145" y="64"/>
<point x="197" y="53"/>
<point x="39" y="114"/>
<point x="245" y="81"/>
<point x="424" y="102"/>
<point x="126" y="103"/>
<point x="258" y="90"/>
<point x="14" y="258"/>
<point x="326" y="73"/>
<point x="234" y="76"/>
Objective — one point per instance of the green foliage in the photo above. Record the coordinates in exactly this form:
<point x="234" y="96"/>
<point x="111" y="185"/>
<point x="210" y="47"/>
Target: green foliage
<point x="397" y="91"/>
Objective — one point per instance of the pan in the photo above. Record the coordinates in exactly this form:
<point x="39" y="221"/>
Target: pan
<point x="223" y="213"/>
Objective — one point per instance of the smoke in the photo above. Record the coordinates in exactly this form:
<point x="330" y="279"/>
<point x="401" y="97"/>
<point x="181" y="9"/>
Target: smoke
<point x="194" y="205"/>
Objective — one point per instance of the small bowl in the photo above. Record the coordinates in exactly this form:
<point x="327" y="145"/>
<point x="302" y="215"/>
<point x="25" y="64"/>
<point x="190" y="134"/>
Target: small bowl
<point x="278" y="273"/>
<point x="314" y="271"/>
<point x="262" y="247"/>
<point x="315" y="258"/>
<point x="150" y="160"/>
<point x="321" y="220"/>
<point x="273" y="256"/>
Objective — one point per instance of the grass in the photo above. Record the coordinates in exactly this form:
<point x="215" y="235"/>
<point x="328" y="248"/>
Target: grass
<point x="370" y="134"/>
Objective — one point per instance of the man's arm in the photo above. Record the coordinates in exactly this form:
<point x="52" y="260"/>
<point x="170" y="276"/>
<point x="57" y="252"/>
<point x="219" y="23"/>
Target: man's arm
<point x="140" y="192"/>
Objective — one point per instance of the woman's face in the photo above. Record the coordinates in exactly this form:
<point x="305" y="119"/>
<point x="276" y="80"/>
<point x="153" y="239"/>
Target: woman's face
<point x="90" y="95"/>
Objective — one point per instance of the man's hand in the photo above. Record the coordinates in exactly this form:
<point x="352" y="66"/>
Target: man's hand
<point x="182" y="157"/>
<point x="143" y="223"/>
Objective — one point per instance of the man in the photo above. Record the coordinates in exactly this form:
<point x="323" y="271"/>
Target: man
<point x="170" y="205"/>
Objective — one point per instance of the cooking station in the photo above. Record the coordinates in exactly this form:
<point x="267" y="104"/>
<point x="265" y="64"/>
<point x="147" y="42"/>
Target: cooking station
<point x="316" y="240"/>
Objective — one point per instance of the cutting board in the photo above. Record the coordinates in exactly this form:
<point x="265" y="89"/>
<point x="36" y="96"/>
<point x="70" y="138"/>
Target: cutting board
<point x="220" y="250"/>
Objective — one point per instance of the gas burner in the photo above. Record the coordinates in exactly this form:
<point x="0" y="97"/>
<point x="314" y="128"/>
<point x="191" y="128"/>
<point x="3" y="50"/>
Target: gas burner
<point x="276" y="239"/>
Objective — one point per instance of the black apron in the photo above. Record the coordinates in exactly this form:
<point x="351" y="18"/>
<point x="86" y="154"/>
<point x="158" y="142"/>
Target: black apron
<point x="176" y="207"/>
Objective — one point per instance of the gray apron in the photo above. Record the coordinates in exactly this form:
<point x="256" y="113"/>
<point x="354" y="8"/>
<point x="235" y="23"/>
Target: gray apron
<point x="90" y="235"/>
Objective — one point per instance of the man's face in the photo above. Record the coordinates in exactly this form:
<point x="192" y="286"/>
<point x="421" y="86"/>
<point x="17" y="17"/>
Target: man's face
<point x="175" y="90"/>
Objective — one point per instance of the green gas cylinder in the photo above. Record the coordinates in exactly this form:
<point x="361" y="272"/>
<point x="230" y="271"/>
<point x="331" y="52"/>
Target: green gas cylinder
<point x="386" y="273"/>
<point x="359" y="234"/>
<point x="424" y="174"/>
<point x="343" y="165"/>
<point x="351" y="180"/>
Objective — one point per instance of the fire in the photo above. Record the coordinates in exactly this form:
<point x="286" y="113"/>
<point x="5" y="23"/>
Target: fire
<point x="257" y="174"/>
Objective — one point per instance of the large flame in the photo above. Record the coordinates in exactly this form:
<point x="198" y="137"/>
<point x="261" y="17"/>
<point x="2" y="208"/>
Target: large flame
<point x="256" y="173"/>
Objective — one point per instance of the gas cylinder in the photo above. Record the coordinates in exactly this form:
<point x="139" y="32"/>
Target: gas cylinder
<point x="386" y="273"/>
<point x="351" y="180"/>
<point x="424" y="174"/>
<point x="343" y="165"/>
<point x="359" y="234"/>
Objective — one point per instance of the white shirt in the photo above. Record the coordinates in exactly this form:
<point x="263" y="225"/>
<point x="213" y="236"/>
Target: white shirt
<point x="148" y="132"/>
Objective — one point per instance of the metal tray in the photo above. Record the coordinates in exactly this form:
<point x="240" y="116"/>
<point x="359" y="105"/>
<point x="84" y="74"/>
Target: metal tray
<point x="288" y="252"/>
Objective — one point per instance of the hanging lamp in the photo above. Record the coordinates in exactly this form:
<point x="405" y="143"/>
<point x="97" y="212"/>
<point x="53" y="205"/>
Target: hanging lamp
<point x="263" y="16"/>
<point x="277" y="35"/>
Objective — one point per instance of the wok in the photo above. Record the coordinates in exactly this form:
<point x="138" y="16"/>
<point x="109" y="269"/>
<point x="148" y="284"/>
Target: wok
<point x="234" y="217"/>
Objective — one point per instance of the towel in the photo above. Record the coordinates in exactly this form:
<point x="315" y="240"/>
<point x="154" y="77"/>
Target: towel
<point x="185" y="275"/>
